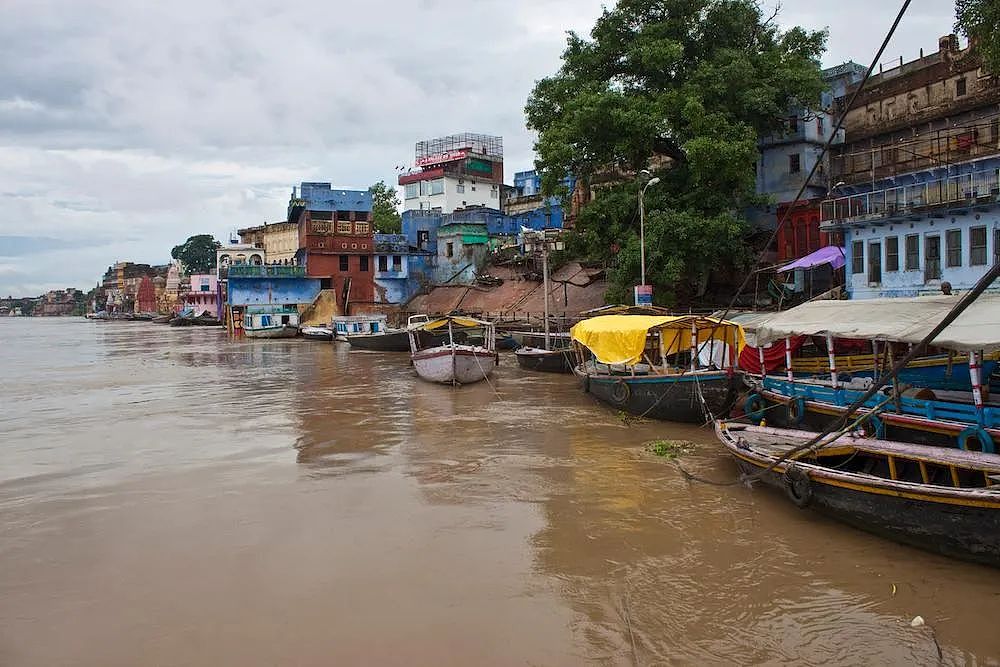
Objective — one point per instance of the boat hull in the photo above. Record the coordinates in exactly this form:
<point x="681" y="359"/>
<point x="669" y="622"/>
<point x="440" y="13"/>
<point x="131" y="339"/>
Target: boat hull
<point x="283" y="331"/>
<point x="667" y="397"/>
<point x="546" y="361"/>
<point x="394" y="341"/>
<point x="459" y="364"/>
<point x="964" y="528"/>
<point x="316" y="333"/>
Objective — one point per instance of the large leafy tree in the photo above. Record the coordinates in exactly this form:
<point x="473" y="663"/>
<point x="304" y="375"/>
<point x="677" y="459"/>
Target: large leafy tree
<point x="694" y="81"/>
<point x="197" y="253"/>
<point x="385" y="209"/>
<point x="978" y="20"/>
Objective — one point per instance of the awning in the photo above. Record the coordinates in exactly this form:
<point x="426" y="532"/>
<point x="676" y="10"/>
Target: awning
<point x="467" y="322"/>
<point x="897" y="320"/>
<point x="831" y="254"/>
<point x="621" y="339"/>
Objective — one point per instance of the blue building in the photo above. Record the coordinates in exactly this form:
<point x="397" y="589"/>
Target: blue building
<point x="529" y="208"/>
<point x="908" y="236"/>
<point x="787" y="158"/>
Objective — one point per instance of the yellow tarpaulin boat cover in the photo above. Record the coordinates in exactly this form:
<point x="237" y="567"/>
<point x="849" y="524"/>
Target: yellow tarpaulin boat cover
<point x="621" y="339"/>
<point x="459" y="321"/>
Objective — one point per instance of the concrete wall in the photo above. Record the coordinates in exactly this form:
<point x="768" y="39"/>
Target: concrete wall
<point x="249" y="291"/>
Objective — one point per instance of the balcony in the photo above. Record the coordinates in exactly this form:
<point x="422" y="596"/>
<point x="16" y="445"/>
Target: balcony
<point x="266" y="271"/>
<point x="962" y="190"/>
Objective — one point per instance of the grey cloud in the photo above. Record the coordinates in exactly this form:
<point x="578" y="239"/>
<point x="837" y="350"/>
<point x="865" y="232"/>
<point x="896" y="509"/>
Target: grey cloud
<point x="143" y="123"/>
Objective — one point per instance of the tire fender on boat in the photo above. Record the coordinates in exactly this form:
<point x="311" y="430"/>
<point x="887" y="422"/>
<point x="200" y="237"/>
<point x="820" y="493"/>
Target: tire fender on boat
<point x="798" y="486"/>
<point x="795" y="410"/>
<point x="980" y="434"/>
<point x="620" y="392"/>
<point x="754" y="407"/>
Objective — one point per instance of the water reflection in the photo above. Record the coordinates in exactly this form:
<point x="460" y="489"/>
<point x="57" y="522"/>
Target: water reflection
<point x="160" y="487"/>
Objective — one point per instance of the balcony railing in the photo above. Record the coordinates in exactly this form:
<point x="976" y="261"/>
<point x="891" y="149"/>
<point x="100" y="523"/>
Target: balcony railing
<point x="954" y="190"/>
<point x="266" y="271"/>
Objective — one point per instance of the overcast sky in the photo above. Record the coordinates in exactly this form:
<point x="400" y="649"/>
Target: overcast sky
<point x="126" y="127"/>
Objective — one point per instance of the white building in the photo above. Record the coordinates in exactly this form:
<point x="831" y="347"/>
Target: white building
<point x="454" y="172"/>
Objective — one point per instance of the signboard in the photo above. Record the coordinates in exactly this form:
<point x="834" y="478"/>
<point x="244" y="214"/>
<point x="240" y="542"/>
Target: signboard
<point x="644" y="295"/>
<point x="447" y="156"/>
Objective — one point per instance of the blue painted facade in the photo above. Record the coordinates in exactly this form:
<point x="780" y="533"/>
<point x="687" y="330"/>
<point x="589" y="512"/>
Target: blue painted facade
<point x="324" y="197"/>
<point x="786" y="159"/>
<point x="273" y="285"/>
<point x="908" y="234"/>
<point x="400" y="271"/>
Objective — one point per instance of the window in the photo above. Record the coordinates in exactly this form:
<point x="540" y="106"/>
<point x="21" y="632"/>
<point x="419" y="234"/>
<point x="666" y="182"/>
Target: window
<point x="493" y="193"/>
<point x="793" y="124"/>
<point x="360" y="227"/>
<point x="343" y="226"/>
<point x="793" y="164"/>
<point x="996" y="245"/>
<point x="343" y="263"/>
<point x="858" y="257"/>
<point x="932" y="258"/>
<point x="995" y="130"/>
<point x="874" y="262"/>
<point x="912" y="252"/>
<point x="892" y="253"/>
<point x="397" y="263"/>
<point x="410" y="191"/>
<point x="436" y="186"/>
<point x="265" y="320"/>
<point x="953" y="246"/>
<point x="977" y="246"/>
<point x="449" y="250"/>
<point x="460" y="189"/>
<point x="424" y="187"/>
<point x="423" y="238"/>
<point x="383" y="263"/>
<point x="364" y="262"/>
<point x="343" y="215"/>
<point x="820" y="129"/>
<point x="360" y="216"/>
<point x="960" y="87"/>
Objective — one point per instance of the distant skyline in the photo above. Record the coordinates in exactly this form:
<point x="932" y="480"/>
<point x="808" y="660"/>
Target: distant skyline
<point x="126" y="129"/>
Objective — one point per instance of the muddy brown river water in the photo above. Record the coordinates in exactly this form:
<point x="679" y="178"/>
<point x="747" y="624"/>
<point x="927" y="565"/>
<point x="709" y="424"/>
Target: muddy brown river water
<point x="170" y="497"/>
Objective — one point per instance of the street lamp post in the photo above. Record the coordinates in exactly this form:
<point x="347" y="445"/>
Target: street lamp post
<point x="542" y="242"/>
<point x="642" y="232"/>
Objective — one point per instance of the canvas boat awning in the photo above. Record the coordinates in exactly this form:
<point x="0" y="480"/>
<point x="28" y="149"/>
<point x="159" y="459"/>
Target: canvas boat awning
<point x="621" y="339"/>
<point x="831" y="254"/>
<point x="897" y="320"/>
<point x="442" y="322"/>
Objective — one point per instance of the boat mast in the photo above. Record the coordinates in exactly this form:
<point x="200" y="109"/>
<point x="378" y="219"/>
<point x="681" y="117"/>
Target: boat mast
<point x="545" y="287"/>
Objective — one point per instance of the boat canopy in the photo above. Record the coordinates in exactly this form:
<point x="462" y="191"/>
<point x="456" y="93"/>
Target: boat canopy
<point x="459" y="321"/>
<point x="902" y="320"/>
<point x="621" y="339"/>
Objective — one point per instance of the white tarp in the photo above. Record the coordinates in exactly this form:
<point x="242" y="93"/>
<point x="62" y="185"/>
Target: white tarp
<point x="899" y="320"/>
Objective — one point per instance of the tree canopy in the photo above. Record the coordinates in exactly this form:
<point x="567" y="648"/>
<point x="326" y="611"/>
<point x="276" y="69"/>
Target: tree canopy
<point x="978" y="21"/>
<point x="385" y="209"/>
<point x="694" y="83"/>
<point x="197" y="253"/>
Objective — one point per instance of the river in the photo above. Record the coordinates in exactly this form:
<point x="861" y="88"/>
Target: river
<point x="170" y="497"/>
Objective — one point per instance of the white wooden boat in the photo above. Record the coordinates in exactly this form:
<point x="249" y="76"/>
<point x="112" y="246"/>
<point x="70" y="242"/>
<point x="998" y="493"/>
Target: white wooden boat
<point x="467" y="355"/>
<point x="316" y="333"/>
<point x="351" y="325"/>
<point x="271" y="322"/>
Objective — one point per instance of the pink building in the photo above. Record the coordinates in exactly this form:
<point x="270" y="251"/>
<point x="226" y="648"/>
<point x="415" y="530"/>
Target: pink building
<point x="204" y="294"/>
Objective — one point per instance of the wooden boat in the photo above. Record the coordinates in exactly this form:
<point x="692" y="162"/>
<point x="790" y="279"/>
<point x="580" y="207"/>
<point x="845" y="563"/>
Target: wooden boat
<point x="546" y="361"/>
<point x="934" y="498"/>
<point x="396" y="340"/>
<point x="316" y="333"/>
<point x="468" y="355"/>
<point x="271" y="321"/>
<point x="689" y="371"/>
<point x="916" y="414"/>
<point x="350" y="325"/>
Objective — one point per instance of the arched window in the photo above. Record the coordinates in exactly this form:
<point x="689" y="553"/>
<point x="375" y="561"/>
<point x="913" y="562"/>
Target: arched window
<point x="256" y="260"/>
<point x="241" y="259"/>
<point x="224" y="260"/>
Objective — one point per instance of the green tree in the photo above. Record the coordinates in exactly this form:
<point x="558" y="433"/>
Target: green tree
<point x="694" y="81"/>
<point x="385" y="209"/>
<point x="197" y="253"/>
<point x="978" y="21"/>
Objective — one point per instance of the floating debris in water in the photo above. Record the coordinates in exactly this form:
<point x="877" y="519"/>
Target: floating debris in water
<point x="670" y="449"/>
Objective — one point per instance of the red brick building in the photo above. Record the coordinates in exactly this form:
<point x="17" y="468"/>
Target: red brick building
<point x="336" y="240"/>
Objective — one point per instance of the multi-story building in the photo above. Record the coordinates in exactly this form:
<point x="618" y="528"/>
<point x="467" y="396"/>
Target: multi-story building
<point x="279" y="239"/>
<point x="454" y="172"/>
<point x="917" y="181"/>
<point x="203" y="295"/>
<point x="335" y="240"/>
<point x="526" y="204"/>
